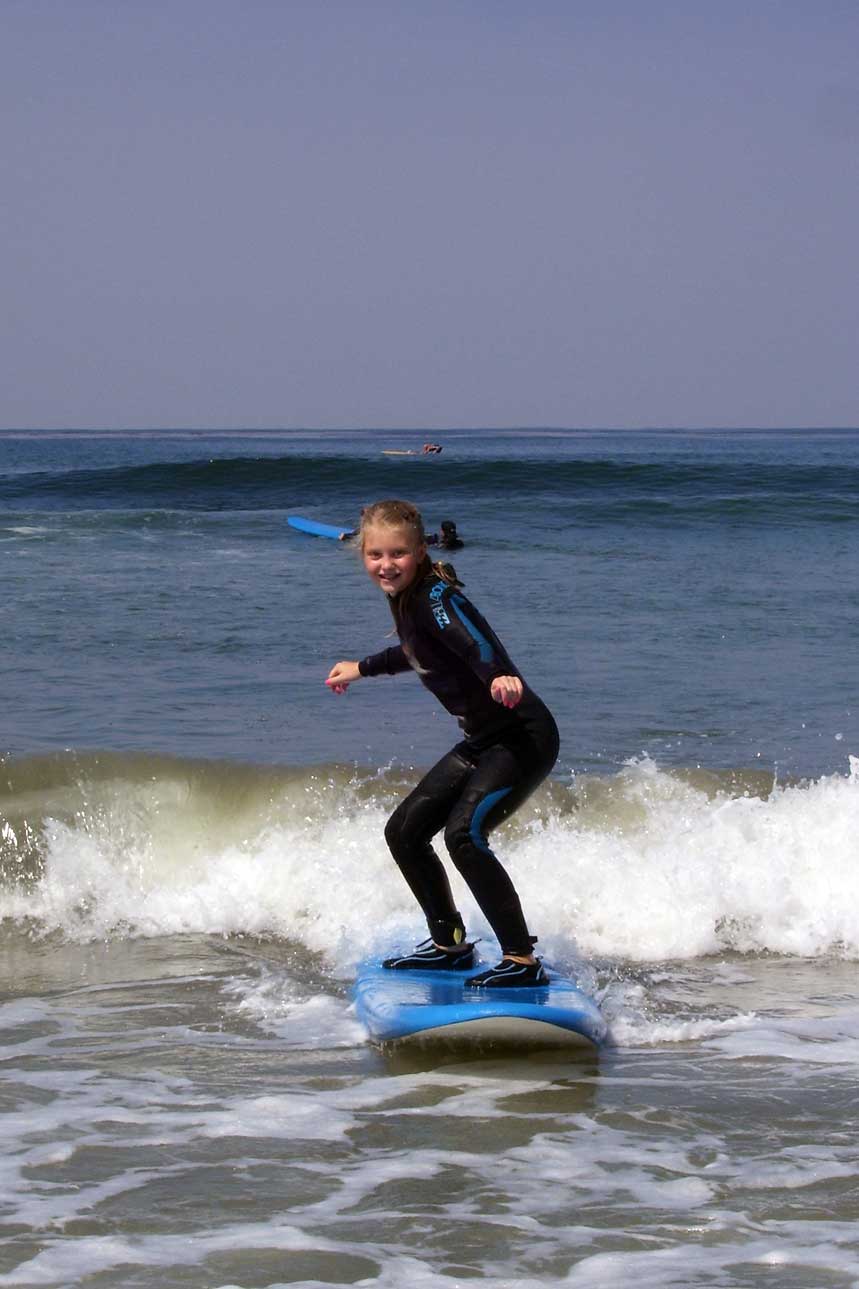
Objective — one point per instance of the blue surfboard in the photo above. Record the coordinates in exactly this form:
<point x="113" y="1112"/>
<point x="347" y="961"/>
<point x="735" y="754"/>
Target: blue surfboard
<point x="426" y="1006"/>
<point x="317" y="529"/>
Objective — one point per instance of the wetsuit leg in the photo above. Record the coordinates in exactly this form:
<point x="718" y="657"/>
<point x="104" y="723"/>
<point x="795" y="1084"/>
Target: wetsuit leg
<point x="503" y="777"/>
<point x="409" y="831"/>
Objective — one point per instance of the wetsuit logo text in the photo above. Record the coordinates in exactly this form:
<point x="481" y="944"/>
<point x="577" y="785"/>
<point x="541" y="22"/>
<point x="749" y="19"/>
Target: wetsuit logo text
<point x="438" y="610"/>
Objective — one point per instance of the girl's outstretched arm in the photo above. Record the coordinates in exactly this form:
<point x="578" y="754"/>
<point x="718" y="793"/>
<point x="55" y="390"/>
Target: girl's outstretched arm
<point x="341" y="675"/>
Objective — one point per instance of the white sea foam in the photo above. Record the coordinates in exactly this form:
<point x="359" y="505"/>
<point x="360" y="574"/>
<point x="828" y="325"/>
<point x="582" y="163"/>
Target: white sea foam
<point x="640" y="1030"/>
<point x="532" y="1164"/>
<point x="650" y="868"/>
<point x="679" y="1184"/>
<point x="812" y="1041"/>
<point x="299" y="1019"/>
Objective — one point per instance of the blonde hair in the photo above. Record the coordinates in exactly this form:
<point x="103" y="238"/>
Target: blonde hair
<point x="394" y="513"/>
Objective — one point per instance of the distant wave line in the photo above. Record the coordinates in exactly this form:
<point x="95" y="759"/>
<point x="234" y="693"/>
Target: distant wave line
<point x="279" y="481"/>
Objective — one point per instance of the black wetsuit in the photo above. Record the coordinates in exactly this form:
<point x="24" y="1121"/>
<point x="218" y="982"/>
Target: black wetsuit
<point x="505" y="754"/>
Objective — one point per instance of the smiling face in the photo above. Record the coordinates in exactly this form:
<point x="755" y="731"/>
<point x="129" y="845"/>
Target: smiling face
<point x="391" y="556"/>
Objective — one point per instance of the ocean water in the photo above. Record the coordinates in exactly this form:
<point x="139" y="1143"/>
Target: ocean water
<point x="192" y="864"/>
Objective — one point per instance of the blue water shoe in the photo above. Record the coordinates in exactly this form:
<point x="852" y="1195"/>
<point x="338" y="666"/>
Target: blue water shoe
<point x="427" y="956"/>
<point x="509" y="974"/>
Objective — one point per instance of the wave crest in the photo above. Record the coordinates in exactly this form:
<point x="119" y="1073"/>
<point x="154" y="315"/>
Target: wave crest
<point x="646" y="866"/>
<point x="338" y="485"/>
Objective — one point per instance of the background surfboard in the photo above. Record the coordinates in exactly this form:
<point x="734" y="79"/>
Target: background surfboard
<point x="316" y="529"/>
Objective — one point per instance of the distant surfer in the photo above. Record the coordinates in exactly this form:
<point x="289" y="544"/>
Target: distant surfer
<point x="428" y="449"/>
<point x="448" y="538"/>
<point x="510" y="744"/>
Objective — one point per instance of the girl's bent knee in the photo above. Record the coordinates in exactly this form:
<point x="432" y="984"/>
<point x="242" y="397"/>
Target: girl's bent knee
<point x="460" y="843"/>
<point x="394" y="831"/>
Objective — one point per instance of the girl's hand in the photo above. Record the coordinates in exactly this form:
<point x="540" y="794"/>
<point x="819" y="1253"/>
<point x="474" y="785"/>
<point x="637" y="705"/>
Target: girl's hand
<point x="507" y="690"/>
<point x="341" y="675"/>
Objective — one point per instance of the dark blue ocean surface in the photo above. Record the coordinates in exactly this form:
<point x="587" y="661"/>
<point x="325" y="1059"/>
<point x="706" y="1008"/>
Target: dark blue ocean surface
<point x="692" y="596"/>
<point x="188" y="880"/>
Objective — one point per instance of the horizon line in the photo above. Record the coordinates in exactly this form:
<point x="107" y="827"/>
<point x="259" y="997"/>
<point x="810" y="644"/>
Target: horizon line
<point x="427" y="429"/>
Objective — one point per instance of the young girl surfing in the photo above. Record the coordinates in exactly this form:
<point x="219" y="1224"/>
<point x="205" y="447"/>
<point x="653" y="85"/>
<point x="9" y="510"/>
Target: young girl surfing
<point x="510" y="744"/>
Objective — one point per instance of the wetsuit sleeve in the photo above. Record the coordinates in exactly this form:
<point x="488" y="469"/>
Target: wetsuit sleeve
<point x="387" y="663"/>
<point x="457" y="625"/>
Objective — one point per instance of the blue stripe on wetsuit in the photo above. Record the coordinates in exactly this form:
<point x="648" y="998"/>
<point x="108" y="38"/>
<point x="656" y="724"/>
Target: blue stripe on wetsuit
<point x="475" y="831"/>
<point x="487" y="653"/>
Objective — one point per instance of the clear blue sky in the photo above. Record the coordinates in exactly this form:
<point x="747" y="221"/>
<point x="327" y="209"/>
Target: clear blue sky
<point x="369" y="212"/>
